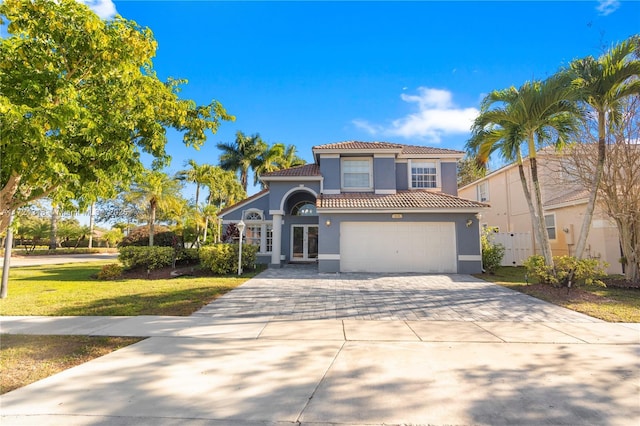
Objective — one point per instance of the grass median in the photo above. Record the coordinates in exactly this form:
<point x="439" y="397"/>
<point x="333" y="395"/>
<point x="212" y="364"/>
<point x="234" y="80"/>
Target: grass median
<point x="607" y="303"/>
<point x="70" y="290"/>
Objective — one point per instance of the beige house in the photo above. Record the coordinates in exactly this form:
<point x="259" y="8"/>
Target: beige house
<point x="564" y="203"/>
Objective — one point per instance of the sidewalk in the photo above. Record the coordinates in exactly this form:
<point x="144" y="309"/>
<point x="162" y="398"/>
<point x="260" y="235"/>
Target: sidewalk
<point x="238" y="362"/>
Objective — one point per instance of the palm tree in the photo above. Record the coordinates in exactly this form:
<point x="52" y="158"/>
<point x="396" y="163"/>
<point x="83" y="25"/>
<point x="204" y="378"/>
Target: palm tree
<point x="526" y="116"/>
<point x="289" y="157"/>
<point x="242" y="155"/>
<point x="224" y="189"/>
<point x="602" y="84"/>
<point x="197" y="174"/>
<point x="157" y="191"/>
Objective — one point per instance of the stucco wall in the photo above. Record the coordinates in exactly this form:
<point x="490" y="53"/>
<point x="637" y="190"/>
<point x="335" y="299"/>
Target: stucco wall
<point x="384" y="174"/>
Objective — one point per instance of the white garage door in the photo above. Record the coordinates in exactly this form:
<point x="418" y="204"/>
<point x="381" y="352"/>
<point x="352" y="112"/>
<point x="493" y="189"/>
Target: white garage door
<point x="398" y="247"/>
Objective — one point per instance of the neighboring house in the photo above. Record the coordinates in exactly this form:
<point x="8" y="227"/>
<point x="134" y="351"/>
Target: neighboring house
<point x="564" y="203"/>
<point x="365" y="207"/>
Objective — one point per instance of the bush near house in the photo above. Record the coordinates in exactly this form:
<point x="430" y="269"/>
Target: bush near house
<point x="147" y="257"/>
<point x="223" y="258"/>
<point x="162" y="237"/>
<point x="492" y="253"/>
<point x="585" y="271"/>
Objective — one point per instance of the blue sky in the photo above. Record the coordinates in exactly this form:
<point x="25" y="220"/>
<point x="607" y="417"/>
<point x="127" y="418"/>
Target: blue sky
<point x="309" y="73"/>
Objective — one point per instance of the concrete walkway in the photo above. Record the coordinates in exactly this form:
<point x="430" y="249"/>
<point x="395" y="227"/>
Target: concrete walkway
<point x="295" y="347"/>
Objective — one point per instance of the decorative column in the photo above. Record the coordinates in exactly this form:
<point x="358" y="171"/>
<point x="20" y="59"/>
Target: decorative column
<point x="277" y="239"/>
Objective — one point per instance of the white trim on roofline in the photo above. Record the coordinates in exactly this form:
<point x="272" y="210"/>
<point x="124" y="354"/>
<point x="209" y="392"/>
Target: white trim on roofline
<point x="242" y="203"/>
<point x="566" y="204"/>
<point x="292" y="178"/>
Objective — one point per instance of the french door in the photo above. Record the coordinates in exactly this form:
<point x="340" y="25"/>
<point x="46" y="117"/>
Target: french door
<point x="304" y="243"/>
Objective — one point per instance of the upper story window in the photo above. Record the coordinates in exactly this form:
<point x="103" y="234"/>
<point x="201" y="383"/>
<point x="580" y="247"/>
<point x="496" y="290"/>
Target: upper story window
<point x="483" y="191"/>
<point x="424" y="174"/>
<point x="357" y="174"/>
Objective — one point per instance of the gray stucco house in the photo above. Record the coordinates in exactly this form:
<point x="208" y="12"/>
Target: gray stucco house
<point x="365" y="207"/>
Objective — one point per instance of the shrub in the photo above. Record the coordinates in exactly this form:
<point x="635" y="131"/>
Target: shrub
<point x="111" y="271"/>
<point x="492" y="253"/>
<point x="162" y="237"/>
<point x="223" y="258"/>
<point x="188" y="256"/>
<point x="148" y="257"/>
<point x="585" y="271"/>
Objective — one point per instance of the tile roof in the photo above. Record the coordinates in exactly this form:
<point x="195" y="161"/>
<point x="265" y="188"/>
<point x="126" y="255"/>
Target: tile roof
<point x="575" y="195"/>
<point x="305" y="170"/>
<point x="369" y="146"/>
<point x="416" y="199"/>
<point x="242" y="202"/>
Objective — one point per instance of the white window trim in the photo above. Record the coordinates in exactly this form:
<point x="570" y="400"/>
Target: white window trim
<point x="252" y="210"/>
<point x="555" y="225"/>
<point x="424" y="160"/>
<point x="351" y="189"/>
<point x="488" y="196"/>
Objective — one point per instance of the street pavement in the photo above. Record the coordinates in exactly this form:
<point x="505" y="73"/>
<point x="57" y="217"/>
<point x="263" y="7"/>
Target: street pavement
<point x="17" y="261"/>
<point x="292" y="346"/>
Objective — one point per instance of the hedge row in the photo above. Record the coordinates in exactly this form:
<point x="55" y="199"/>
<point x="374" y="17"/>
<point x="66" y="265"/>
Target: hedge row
<point x="219" y="258"/>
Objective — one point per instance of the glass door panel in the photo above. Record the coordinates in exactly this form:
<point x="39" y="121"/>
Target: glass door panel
<point x="298" y="243"/>
<point x="312" y="242"/>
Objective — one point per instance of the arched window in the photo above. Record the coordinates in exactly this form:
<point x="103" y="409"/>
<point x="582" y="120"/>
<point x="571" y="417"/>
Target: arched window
<point x="304" y="208"/>
<point x="252" y="215"/>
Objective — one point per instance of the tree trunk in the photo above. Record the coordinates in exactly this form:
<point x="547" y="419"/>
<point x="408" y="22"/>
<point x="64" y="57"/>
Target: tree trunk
<point x="53" y="235"/>
<point x="527" y="196"/>
<point x="539" y="223"/>
<point x="593" y="195"/>
<point x="92" y="213"/>
<point x="152" y="221"/>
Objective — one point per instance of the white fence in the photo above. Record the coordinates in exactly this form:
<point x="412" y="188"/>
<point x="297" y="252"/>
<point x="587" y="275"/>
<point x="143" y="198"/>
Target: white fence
<point x="518" y="246"/>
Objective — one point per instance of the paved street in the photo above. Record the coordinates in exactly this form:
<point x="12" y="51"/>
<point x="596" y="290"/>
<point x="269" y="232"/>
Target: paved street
<point x="292" y="346"/>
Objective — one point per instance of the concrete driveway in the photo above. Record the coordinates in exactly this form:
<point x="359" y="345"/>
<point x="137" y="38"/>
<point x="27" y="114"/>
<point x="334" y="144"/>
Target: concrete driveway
<point x="295" y="347"/>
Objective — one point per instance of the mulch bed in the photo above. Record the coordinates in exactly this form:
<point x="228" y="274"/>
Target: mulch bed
<point x="167" y="273"/>
<point x="621" y="283"/>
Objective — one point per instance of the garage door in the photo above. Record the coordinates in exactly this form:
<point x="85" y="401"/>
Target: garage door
<point x="398" y="247"/>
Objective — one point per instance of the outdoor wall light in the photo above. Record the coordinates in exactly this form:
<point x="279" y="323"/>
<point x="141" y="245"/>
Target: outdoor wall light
<point x="469" y="223"/>
<point x="328" y="222"/>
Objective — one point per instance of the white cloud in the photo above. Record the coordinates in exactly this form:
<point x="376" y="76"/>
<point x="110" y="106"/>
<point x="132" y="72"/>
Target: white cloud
<point x="607" y="7"/>
<point x="105" y="9"/>
<point x="437" y="115"/>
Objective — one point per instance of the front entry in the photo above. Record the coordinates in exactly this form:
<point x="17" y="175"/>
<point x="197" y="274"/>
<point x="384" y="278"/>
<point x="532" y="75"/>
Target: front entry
<point x="304" y="243"/>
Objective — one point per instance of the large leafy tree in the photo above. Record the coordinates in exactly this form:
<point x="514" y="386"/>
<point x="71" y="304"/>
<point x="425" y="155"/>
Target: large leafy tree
<point x="80" y="102"/>
<point x="241" y="155"/>
<point x="604" y="83"/>
<point x="159" y="193"/>
<point x="527" y="116"/>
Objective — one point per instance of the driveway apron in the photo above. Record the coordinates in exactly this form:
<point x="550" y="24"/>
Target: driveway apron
<point x="292" y="346"/>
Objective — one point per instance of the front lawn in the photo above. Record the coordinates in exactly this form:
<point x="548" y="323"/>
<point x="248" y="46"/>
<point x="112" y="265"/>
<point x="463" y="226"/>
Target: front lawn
<point x="609" y="304"/>
<point x="68" y="289"/>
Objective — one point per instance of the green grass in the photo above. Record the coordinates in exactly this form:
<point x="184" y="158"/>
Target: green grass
<point x="68" y="289"/>
<point x="607" y="303"/>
